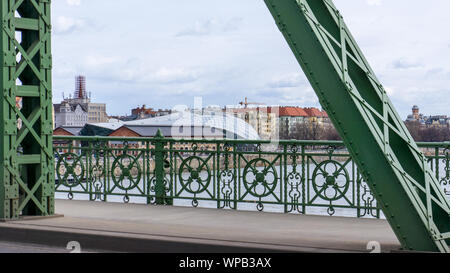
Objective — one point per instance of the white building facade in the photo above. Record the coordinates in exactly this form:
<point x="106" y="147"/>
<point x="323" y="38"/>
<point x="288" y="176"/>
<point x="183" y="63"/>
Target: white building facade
<point x="70" y="115"/>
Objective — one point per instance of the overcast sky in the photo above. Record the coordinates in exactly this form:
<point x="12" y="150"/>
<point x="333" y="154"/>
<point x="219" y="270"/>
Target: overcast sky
<point x="163" y="53"/>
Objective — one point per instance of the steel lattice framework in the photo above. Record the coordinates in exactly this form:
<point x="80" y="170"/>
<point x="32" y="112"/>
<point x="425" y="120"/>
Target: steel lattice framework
<point x="27" y="165"/>
<point x="359" y="107"/>
<point x="392" y="164"/>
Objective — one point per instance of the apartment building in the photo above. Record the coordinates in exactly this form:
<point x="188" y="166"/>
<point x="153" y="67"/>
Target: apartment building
<point x="263" y="119"/>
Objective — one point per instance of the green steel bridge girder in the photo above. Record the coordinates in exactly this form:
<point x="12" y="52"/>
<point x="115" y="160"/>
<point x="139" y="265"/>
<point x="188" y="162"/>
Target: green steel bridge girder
<point x="349" y="91"/>
<point x="27" y="165"/>
<point x="392" y="164"/>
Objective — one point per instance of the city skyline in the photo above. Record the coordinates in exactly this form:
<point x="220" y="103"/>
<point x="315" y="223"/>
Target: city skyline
<point x="210" y="48"/>
<point x="195" y="106"/>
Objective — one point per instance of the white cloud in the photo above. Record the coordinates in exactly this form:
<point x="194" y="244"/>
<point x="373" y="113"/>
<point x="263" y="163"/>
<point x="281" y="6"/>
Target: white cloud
<point x="73" y="2"/>
<point x="287" y="80"/>
<point x="200" y="29"/>
<point x="65" y="25"/>
<point x="98" y="62"/>
<point x="122" y="69"/>
<point x="404" y="63"/>
<point x="211" y="26"/>
<point x="374" y="2"/>
<point x="173" y="75"/>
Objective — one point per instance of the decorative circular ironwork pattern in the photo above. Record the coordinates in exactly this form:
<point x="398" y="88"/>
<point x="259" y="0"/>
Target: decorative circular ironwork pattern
<point x="70" y="170"/>
<point x="126" y="172"/>
<point x="194" y="175"/>
<point x="260" y="177"/>
<point x="334" y="183"/>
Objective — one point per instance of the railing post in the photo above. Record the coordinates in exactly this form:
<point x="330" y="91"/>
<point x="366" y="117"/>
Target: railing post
<point x="27" y="182"/>
<point x="159" y="168"/>
<point x="436" y="168"/>
<point x="89" y="183"/>
<point x="304" y="179"/>
<point x="147" y="165"/>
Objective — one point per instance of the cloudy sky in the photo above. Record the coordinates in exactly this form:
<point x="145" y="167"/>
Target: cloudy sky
<point x="164" y="53"/>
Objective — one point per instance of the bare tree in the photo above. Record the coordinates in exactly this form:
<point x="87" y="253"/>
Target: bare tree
<point x="319" y="131"/>
<point x="330" y="133"/>
<point x="414" y="129"/>
<point x="421" y="133"/>
<point x="308" y="131"/>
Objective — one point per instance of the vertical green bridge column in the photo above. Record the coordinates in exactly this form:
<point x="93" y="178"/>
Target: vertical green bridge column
<point x="392" y="164"/>
<point x="27" y="163"/>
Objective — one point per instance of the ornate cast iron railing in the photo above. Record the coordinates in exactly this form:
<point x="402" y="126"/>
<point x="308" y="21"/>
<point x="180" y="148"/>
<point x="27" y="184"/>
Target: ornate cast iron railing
<point x="314" y="177"/>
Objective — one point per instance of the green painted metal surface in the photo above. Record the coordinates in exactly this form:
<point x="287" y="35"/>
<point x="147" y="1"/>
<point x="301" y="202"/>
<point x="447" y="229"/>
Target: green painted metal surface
<point x="390" y="161"/>
<point x="307" y="177"/>
<point x="159" y="177"/>
<point x="27" y="165"/>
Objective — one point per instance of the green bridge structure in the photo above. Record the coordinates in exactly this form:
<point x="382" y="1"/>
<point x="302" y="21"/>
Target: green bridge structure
<point x="377" y="170"/>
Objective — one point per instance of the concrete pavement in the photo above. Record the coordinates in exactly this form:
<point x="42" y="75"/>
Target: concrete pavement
<point x="147" y="228"/>
<point x="10" y="247"/>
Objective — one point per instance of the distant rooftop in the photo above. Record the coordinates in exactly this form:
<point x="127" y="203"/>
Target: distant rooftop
<point x="214" y="120"/>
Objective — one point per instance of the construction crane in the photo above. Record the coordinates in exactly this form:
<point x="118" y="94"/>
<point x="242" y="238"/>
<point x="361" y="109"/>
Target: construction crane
<point x="391" y="163"/>
<point x="245" y="103"/>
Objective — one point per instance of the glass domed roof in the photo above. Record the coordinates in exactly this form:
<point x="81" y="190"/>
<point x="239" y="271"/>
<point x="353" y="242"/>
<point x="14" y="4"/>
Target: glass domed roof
<point x="213" y="124"/>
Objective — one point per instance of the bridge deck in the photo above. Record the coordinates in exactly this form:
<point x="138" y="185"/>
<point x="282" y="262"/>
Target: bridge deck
<point x="144" y="228"/>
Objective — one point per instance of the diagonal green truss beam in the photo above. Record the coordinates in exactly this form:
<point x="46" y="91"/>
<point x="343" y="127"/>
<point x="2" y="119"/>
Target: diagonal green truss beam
<point x="27" y="165"/>
<point x="392" y="164"/>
